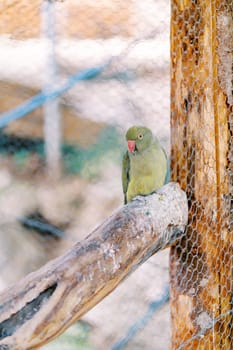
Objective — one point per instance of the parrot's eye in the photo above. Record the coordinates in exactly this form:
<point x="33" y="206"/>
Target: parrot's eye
<point x="140" y="136"/>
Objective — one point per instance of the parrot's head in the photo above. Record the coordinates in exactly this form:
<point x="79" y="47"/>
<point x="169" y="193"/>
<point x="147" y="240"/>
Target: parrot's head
<point x="139" y="138"/>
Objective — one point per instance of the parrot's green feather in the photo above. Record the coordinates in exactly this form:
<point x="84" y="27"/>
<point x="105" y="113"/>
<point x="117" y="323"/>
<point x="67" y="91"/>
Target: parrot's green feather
<point x="145" y="169"/>
<point x="125" y="174"/>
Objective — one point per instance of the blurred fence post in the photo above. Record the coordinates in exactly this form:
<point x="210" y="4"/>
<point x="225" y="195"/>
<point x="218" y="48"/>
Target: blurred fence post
<point x="202" y="162"/>
<point x="52" y="117"/>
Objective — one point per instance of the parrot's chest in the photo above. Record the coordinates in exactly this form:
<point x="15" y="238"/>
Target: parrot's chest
<point x="141" y="165"/>
<point x="147" y="173"/>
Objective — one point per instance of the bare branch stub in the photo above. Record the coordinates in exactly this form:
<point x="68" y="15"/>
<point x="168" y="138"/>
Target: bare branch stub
<point x="43" y="304"/>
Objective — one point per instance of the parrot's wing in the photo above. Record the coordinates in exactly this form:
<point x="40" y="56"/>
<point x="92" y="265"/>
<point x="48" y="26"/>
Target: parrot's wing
<point x="125" y="174"/>
<point x="168" y="172"/>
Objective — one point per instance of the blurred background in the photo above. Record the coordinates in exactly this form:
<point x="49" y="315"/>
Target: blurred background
<point x="74" y="75"/>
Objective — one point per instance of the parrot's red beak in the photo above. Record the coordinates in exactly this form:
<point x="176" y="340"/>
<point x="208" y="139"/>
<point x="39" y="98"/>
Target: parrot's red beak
<point x="131" y="145"/>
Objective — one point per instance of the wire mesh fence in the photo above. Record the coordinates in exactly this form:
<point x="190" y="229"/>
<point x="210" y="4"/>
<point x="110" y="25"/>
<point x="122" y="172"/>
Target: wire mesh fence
<point x="74" y="75"/>
<point x="201" y="265"/>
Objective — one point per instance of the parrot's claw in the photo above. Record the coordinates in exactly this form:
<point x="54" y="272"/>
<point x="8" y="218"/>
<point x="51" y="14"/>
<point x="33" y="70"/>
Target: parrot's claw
<point x="139" y="198"/>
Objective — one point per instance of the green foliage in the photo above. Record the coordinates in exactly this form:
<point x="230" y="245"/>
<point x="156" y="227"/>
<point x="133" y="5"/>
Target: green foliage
<point x="87" y="162"/>
<point x="75" y="337"/>
<point x="20" y="158"/>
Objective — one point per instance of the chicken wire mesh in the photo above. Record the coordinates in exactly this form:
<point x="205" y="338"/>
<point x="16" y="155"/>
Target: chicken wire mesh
<point x="201" y="137"/>
<point x="74" y="75"/>
<point x="82" y="72"/>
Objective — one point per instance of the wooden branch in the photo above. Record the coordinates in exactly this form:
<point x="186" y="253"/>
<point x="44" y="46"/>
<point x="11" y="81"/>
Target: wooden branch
<point x="43" y="304"/>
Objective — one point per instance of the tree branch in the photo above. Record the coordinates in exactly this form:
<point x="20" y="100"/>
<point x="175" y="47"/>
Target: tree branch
<point x="43" y="304"/>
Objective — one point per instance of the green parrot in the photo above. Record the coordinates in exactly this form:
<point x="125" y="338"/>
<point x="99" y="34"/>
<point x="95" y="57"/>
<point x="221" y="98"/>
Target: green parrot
<point x="144" y="165"/>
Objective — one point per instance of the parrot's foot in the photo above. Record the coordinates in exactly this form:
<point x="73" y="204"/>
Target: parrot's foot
<point x="140" y="198"/>
<point x="158" y="193"/>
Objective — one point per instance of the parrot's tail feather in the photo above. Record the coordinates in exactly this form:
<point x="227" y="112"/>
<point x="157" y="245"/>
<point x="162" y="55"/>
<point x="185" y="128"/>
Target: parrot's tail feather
<point x="168" y="173"/>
